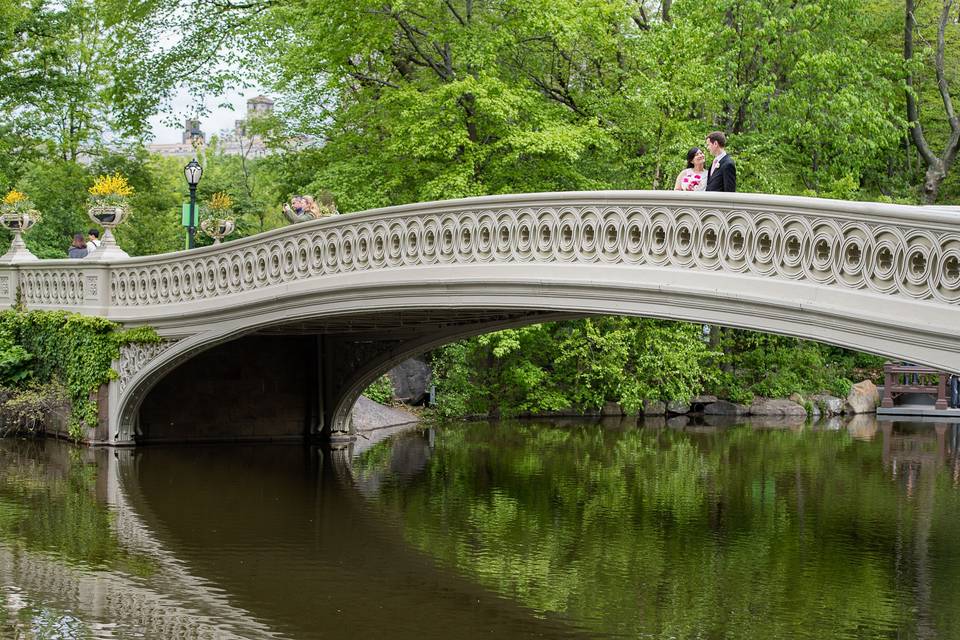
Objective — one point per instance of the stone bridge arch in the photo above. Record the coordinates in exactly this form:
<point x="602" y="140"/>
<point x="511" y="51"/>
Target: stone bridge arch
<point x="381" y="284"/>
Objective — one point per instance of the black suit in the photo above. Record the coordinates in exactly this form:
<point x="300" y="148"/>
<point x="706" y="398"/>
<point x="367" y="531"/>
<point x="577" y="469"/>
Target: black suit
<point x="725" y="176"/>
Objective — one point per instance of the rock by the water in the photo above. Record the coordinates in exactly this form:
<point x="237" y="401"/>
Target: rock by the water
<point x="725" y="408"/>
<point x="776" y="407"/>
<point x="367" y="414"/>
<point x="411" y="381"/>
<point x="676" y="407"/>
<point x="828" y="405"/>
<point x="863" y="398"/>
<point x="611" y="409"/>
<point x="654" y="408"/>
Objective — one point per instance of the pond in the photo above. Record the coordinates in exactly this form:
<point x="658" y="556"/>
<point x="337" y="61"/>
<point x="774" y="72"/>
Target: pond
<point x="571" y="529"/>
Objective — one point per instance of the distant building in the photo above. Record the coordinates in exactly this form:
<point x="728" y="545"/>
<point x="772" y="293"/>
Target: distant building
<point x="240" y="141"/>
<point x="192" y="139"/>
<point x="192" y="133"/>
<point x="231" y="142"/>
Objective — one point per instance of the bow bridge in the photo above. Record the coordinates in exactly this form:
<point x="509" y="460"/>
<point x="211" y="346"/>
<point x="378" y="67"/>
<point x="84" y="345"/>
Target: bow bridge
<point x="277" y="334"/>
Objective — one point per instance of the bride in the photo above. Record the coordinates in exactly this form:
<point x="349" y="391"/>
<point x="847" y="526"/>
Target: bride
<point x="694" y="177"/>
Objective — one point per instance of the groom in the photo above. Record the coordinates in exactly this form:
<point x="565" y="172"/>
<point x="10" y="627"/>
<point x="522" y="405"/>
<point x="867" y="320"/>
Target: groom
<point x="722" y="175"/>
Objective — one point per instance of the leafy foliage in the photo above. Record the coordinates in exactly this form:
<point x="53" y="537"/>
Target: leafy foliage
<point x="75" y="350"/>
<point x="758" y="364"/>
<point x="14" y="364"/>
<point x="25" y="411"/>
<point x="381" y="390"/>
<point x="581" y="365"/>
<point x="566" y="366"/>
<point x="425" y="100"/>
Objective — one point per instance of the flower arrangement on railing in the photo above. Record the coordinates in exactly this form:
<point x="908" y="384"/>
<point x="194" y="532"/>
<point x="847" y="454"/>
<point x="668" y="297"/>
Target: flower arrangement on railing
<point x="217" y="222"/>
<point x="17" y="214"/>
<point x="304" y="208"/>
<point x="108" y="198"/>
<point x="108" y="208"/>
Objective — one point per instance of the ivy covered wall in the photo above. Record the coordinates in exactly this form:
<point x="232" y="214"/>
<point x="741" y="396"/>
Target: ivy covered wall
<point x="49" y="355"/>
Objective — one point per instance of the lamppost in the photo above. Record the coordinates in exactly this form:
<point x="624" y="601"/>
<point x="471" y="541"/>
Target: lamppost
<point x="192" y="173"/>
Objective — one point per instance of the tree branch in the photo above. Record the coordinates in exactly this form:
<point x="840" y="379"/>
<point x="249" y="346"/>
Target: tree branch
<point x="456" y="15"/>
<point x="365" y="79"/>
<point x="410" y="34"/>
<point x="239" y="6"/>
<point x="665" y="10"/>
<point x="561" y="95"/>
<point x="939" y="64"/>
<point x="913" y="116"/>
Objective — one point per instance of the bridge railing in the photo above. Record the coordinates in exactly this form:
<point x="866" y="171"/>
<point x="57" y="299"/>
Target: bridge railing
<point x="888" y="250"/>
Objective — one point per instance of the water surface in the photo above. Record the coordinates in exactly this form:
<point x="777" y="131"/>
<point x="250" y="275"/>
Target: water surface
<point x="562" y="530"/>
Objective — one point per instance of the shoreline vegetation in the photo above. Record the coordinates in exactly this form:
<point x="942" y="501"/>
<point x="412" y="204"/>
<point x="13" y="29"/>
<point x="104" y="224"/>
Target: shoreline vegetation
<point x="637" y="366"/>
<point x="52" y="365"/>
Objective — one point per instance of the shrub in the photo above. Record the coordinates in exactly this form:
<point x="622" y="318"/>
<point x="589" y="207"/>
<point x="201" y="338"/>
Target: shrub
<point x="27" y="411"/>
<point x="381" y="390"/>
<point x="72" y="350"/>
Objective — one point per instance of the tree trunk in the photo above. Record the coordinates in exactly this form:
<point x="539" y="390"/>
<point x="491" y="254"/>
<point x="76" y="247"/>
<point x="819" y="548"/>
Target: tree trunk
<point x="937" y="165"/>
<point x="935" y="174"/>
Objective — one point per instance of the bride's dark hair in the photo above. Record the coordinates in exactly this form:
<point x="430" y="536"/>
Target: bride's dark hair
<point x="690" y="155"/>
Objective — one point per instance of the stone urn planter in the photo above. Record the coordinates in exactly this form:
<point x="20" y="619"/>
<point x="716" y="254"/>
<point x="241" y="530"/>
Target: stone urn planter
<point x="18" y="215"/>
<point x="108" y="216"/>
<point x="18" y="222"/>
<point x="108" y="208"/>
<point x="218" y="228"/>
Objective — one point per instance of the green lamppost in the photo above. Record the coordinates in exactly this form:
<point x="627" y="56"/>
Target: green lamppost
<point x="192" y="172"/>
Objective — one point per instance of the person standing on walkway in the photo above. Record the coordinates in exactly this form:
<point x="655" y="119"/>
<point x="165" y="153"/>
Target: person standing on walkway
<point x="694" y="177"/>
<point x="93" y="241"/>
<point x="79" y="247"/>
<point x="722" y="175"/>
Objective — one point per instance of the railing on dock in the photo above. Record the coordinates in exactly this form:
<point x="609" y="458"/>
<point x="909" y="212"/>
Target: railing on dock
<point x="900" y="379"/>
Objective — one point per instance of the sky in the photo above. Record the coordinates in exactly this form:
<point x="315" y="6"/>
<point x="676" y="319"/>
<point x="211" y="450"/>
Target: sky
<point x="218" y="118"/>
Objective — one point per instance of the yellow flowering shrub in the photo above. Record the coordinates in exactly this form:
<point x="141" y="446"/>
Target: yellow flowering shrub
<point x="221" y="201"/>
<point x="111" y="187"/>
<point x="17" y="202"/>
<point x="14" y="197"/>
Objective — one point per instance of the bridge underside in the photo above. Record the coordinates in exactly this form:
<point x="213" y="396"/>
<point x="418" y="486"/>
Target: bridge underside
<point x="300" y="379"/>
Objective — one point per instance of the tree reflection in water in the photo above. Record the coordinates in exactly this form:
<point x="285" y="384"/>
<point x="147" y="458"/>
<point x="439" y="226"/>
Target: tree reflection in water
<point x="738" y="532"/>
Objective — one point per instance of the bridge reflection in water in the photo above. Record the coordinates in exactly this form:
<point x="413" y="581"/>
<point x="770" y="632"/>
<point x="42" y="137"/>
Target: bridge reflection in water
<point x="469" y="531"/>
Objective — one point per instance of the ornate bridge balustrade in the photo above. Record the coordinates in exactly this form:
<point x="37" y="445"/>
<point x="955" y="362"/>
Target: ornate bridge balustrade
<point x="877" y="277"/>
